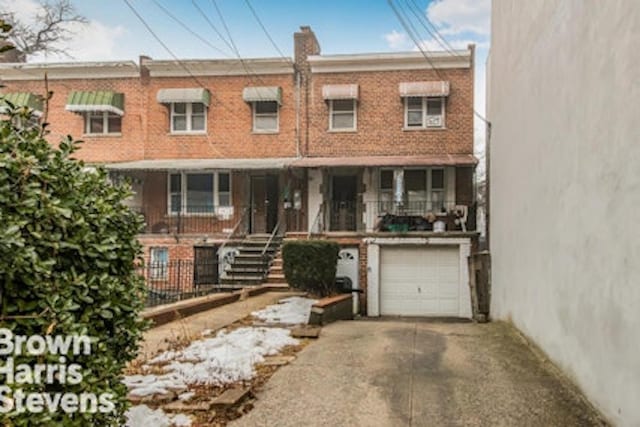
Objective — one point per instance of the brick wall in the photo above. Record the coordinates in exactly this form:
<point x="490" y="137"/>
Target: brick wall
<point x="380" y="116"/>
<point x="129" y="145"/>
<point x="229" y="121"/>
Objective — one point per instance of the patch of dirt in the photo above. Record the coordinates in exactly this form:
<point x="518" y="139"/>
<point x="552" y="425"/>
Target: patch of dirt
<point x="217" y="416"/>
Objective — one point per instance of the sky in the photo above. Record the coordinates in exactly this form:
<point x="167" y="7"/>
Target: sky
<point x="114" y="32"/>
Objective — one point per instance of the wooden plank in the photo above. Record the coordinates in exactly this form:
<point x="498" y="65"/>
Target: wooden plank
<point x="306" y="332"/>
<point x="188" y="407"/>
<point x="278" y="360"/>
<point x="231" y="397"/>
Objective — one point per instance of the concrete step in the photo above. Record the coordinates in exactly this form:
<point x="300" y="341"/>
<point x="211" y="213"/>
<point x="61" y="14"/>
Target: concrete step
<point x="256" y="249"/>
<point x="241" y="280"/>
<point x="234" y="271"/>
<point x="249" y="257"/>
<point x="276" y="278"/>
<point x="250" y="263"/>
<point x="276" y="270"/>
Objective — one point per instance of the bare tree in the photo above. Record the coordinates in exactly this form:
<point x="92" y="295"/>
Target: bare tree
<point x="50" y="27"/>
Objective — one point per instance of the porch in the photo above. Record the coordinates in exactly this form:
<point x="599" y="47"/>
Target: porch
<point x="391" y="199"/>
<point x="201" y="198"/>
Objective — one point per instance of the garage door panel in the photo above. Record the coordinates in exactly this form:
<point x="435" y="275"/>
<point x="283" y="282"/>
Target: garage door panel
<point x="419" y="281"/>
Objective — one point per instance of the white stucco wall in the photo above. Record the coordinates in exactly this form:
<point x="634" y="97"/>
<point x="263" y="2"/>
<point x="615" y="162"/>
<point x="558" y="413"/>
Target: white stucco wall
<point x="314" y="191"/>
<point x="565" y="188"/>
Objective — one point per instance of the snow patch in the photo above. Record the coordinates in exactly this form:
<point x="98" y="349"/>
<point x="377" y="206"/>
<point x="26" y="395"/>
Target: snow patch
<point x="143" y="416"/>
<point x="290" y="311"/>
<point x="227" y="358"/>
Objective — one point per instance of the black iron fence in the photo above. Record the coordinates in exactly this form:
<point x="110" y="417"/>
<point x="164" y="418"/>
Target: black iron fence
<point x="176" y="280"/>
<point x="192" y="219"/>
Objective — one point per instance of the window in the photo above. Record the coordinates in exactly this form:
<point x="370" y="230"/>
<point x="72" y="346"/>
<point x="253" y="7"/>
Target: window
<point x="199" y="193"/>
<point x="415" y="185"/>
<point x="265" y="116"/>
<point x="158" y="263"/>
<point x="188" y="117"/>
<point x="342" y="114"/>
<point x="422" y="188"/>
<point x="424" y="112"/>
<point x="102" y="122"/>
<point x="437" y="189"/>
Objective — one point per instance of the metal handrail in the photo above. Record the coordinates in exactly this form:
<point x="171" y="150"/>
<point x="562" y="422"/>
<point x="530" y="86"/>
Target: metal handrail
<point x="233" y="231"/>
<point x="273" y="233"/>
<point x="315" y="222"/>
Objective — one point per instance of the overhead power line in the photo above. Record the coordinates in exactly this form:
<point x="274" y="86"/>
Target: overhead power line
<point x="264" y="29"/>
<point x="414" y="35"/>
<point x="188" y="29"/>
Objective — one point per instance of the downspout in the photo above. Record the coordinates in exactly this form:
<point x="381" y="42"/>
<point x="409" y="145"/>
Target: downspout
<point x="298" y="114"/>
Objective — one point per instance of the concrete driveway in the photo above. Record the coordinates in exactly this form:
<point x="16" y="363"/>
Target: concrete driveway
<point x="418" y="373"/>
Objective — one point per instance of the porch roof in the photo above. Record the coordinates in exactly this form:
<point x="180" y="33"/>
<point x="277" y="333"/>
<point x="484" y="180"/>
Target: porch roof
<point x="201" y="164"/>
<point x="425" y="160"/>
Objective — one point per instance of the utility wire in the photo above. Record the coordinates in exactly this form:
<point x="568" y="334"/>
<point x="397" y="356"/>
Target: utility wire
<point x="264" y="29"/>
<point x="430" y="28"/>
<point x="159" y="40"/>
<point x="415" y="38"/>
<point x="186" y="27"/>
<point x="211" y="24"/>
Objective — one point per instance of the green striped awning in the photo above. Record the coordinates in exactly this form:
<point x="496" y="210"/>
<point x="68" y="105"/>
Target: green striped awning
<point x="83" y="101"/>
<point x="22" y="99"/>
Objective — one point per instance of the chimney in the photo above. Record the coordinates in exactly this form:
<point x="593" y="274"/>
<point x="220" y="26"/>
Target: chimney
<point x="305" y="44"/>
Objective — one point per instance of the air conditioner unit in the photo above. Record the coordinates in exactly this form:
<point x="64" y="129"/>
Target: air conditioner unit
<point x="434" y="121"/>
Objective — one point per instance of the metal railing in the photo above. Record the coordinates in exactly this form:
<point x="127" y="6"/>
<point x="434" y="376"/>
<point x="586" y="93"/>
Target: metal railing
<point x="176" y="280"/>
<point x="232" y="234"/>
<point x="387" y="215"/>
<point x="273" y="234"/>
<point x="194" y="220"/>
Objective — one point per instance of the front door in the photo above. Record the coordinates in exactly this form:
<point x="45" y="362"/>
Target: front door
<point x="264" y="203"/>
<point x="344" y="193"/>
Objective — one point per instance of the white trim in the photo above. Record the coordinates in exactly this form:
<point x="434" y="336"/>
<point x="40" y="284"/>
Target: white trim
<point x="373" y="268"/>
<point x="183" y="192"/>
<point x="389" y="61"/>
<point x="188" y="114"/>
<point x="94" y="109"/>
<point x="70" y="70"/>
<point x="254" y="114"/>
<point x="355" y="116"/>
<point x="425" y="116"/>
<point x="218" y="67"/>
<point x="105" y="123"/>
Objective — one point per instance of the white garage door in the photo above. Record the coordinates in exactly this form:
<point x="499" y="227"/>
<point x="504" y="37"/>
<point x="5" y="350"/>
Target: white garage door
<point x="419" y="281"/>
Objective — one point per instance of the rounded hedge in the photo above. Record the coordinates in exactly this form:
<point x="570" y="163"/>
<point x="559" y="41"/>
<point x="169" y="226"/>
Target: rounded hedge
<point x="311" y="265"/>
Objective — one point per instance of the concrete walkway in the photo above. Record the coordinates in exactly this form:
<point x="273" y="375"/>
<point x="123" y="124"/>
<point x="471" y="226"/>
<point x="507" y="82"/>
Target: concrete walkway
<point x="418" y="373"/>
<point x="158" y="339"/>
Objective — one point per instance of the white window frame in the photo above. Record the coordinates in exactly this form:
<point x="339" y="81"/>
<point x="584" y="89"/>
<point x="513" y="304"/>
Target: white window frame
<point x="429" y="186"/>
<point x="183" y="192"/>
<point x="355" y="116"/>
<point x="425" y="116"/>
<point x="105" y="122"/>
<point x="188" y="117"/>
<point x="254" y="108"/>
<point x="159" y="271"/>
